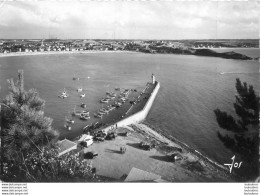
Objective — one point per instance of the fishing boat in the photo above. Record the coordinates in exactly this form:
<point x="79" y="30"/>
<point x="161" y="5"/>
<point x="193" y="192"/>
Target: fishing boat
<point x="83" y="105"/>
<point x="64" y="94"/>
<point x="111" y="108"/>
<point x="85" y="112"/>
<point x="118" y="104"/>
<point x="101" y="113"/>
<point x="86" y="127"/>
<point x="79" y="89"/>
<point x="97" y="115"/>
<point x="82" y="95"/>
<point x="103" y="110"/>
<point x="104" y="100"/>
<point x="84" y="117"/>
<point x="66" y="126"/>
<point x="69" y="120"/>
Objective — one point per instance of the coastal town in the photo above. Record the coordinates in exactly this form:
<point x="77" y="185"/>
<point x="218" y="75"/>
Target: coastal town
<point x="146" y="46"/>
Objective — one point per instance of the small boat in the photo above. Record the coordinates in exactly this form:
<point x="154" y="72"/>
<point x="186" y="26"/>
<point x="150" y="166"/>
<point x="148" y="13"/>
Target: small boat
<point x="83" y="105"/>
<point x="69" y="120"/>
<point x="97" y="115"/>
<point x="79" y="89"/>
<point x="84" y="117"/>
<point x="96" y="125"/>
<point x="64" y="94"/>
<point x="118" y="104"/>
<point x="103" y="110"/>
<point x="86" y="127"/>
<point x="66" y="126"/>
<point x="108" y="98"/>
<point x="85" y="112"/>
<point x="104" y="100"/>
<point x="82" y="95"/>
<point x="111" y="108"/>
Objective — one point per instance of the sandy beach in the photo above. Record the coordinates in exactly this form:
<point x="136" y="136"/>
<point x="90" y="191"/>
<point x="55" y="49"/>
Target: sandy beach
<point x="111" y="163"/>
<point x="58" y="53"/>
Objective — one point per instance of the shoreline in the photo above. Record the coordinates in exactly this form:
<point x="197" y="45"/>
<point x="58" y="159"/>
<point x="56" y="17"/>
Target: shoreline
<point x="13" y="54"/>
<point x="190" y="168"/>
<point x="171" y="141"/>
<point x="183" y="145"/>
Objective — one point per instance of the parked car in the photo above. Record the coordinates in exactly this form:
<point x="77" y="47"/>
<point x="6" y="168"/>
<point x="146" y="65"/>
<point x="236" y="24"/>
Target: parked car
<point x="145" y="146"/>
<point x="90" y="155"/>
<point x="100" y="139"/>
<point x="174" y="157"/>
<point x="111" y="135"/>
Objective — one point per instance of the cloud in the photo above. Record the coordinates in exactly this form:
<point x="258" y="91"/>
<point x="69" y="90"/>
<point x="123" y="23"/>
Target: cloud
<point x="126" y="19"/>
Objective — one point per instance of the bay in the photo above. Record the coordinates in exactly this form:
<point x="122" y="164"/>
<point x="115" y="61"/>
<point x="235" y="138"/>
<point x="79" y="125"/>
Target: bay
<point x="191" y="88"/>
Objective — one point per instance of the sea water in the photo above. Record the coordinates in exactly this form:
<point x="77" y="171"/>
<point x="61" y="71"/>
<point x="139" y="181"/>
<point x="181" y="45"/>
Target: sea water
<point x="191" y="88"/>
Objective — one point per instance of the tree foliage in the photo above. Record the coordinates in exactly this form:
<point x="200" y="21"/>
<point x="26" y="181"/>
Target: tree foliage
<point x="28" y="149"/>
<point x="244" y="127"/>
<point x="46" y="166"/>
<point x="23" y="124"/>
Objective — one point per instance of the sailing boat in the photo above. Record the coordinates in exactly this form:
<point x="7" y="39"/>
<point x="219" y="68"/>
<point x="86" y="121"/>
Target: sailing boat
<point x="64" y="94"/>
<point x="82" y="95"/>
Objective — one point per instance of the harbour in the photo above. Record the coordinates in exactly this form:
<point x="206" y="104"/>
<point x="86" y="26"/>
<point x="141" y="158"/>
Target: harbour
<point x="190" y="87"/>
<point x="118" y="109"/>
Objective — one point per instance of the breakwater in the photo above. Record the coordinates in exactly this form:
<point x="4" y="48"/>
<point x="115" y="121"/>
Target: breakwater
<point x="138" y="116"/>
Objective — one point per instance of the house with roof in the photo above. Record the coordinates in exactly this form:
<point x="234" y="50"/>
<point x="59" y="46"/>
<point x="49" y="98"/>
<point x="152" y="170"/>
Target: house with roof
<point x="66" y="146"/>
<point x="88" y="139"/>
<point x="138" y="175"/>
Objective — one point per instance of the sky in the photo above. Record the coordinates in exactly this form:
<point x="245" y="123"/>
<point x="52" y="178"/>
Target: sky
<point x="129" y="19"/>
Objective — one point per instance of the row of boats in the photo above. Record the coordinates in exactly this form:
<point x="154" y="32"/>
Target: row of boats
<point x="111" y="96"/>
<point x="85" y="115"/>
<point x="104" y="111"/>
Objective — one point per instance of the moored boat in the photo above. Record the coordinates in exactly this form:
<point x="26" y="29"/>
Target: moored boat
<point x="104" y="100"/>
<point x="69" y="120"/>
<point x="97" y="115"/>
<point x="79" y="89"/>
<point x="66" y="126"/>
<point x="84" y="117"/>
<point x="82" y="95"/>
<point x="64" y="94"/>
<point x="83" y="105"/>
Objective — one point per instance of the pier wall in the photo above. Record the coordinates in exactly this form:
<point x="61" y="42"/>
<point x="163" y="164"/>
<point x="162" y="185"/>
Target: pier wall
<point x="139" y="116"/>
